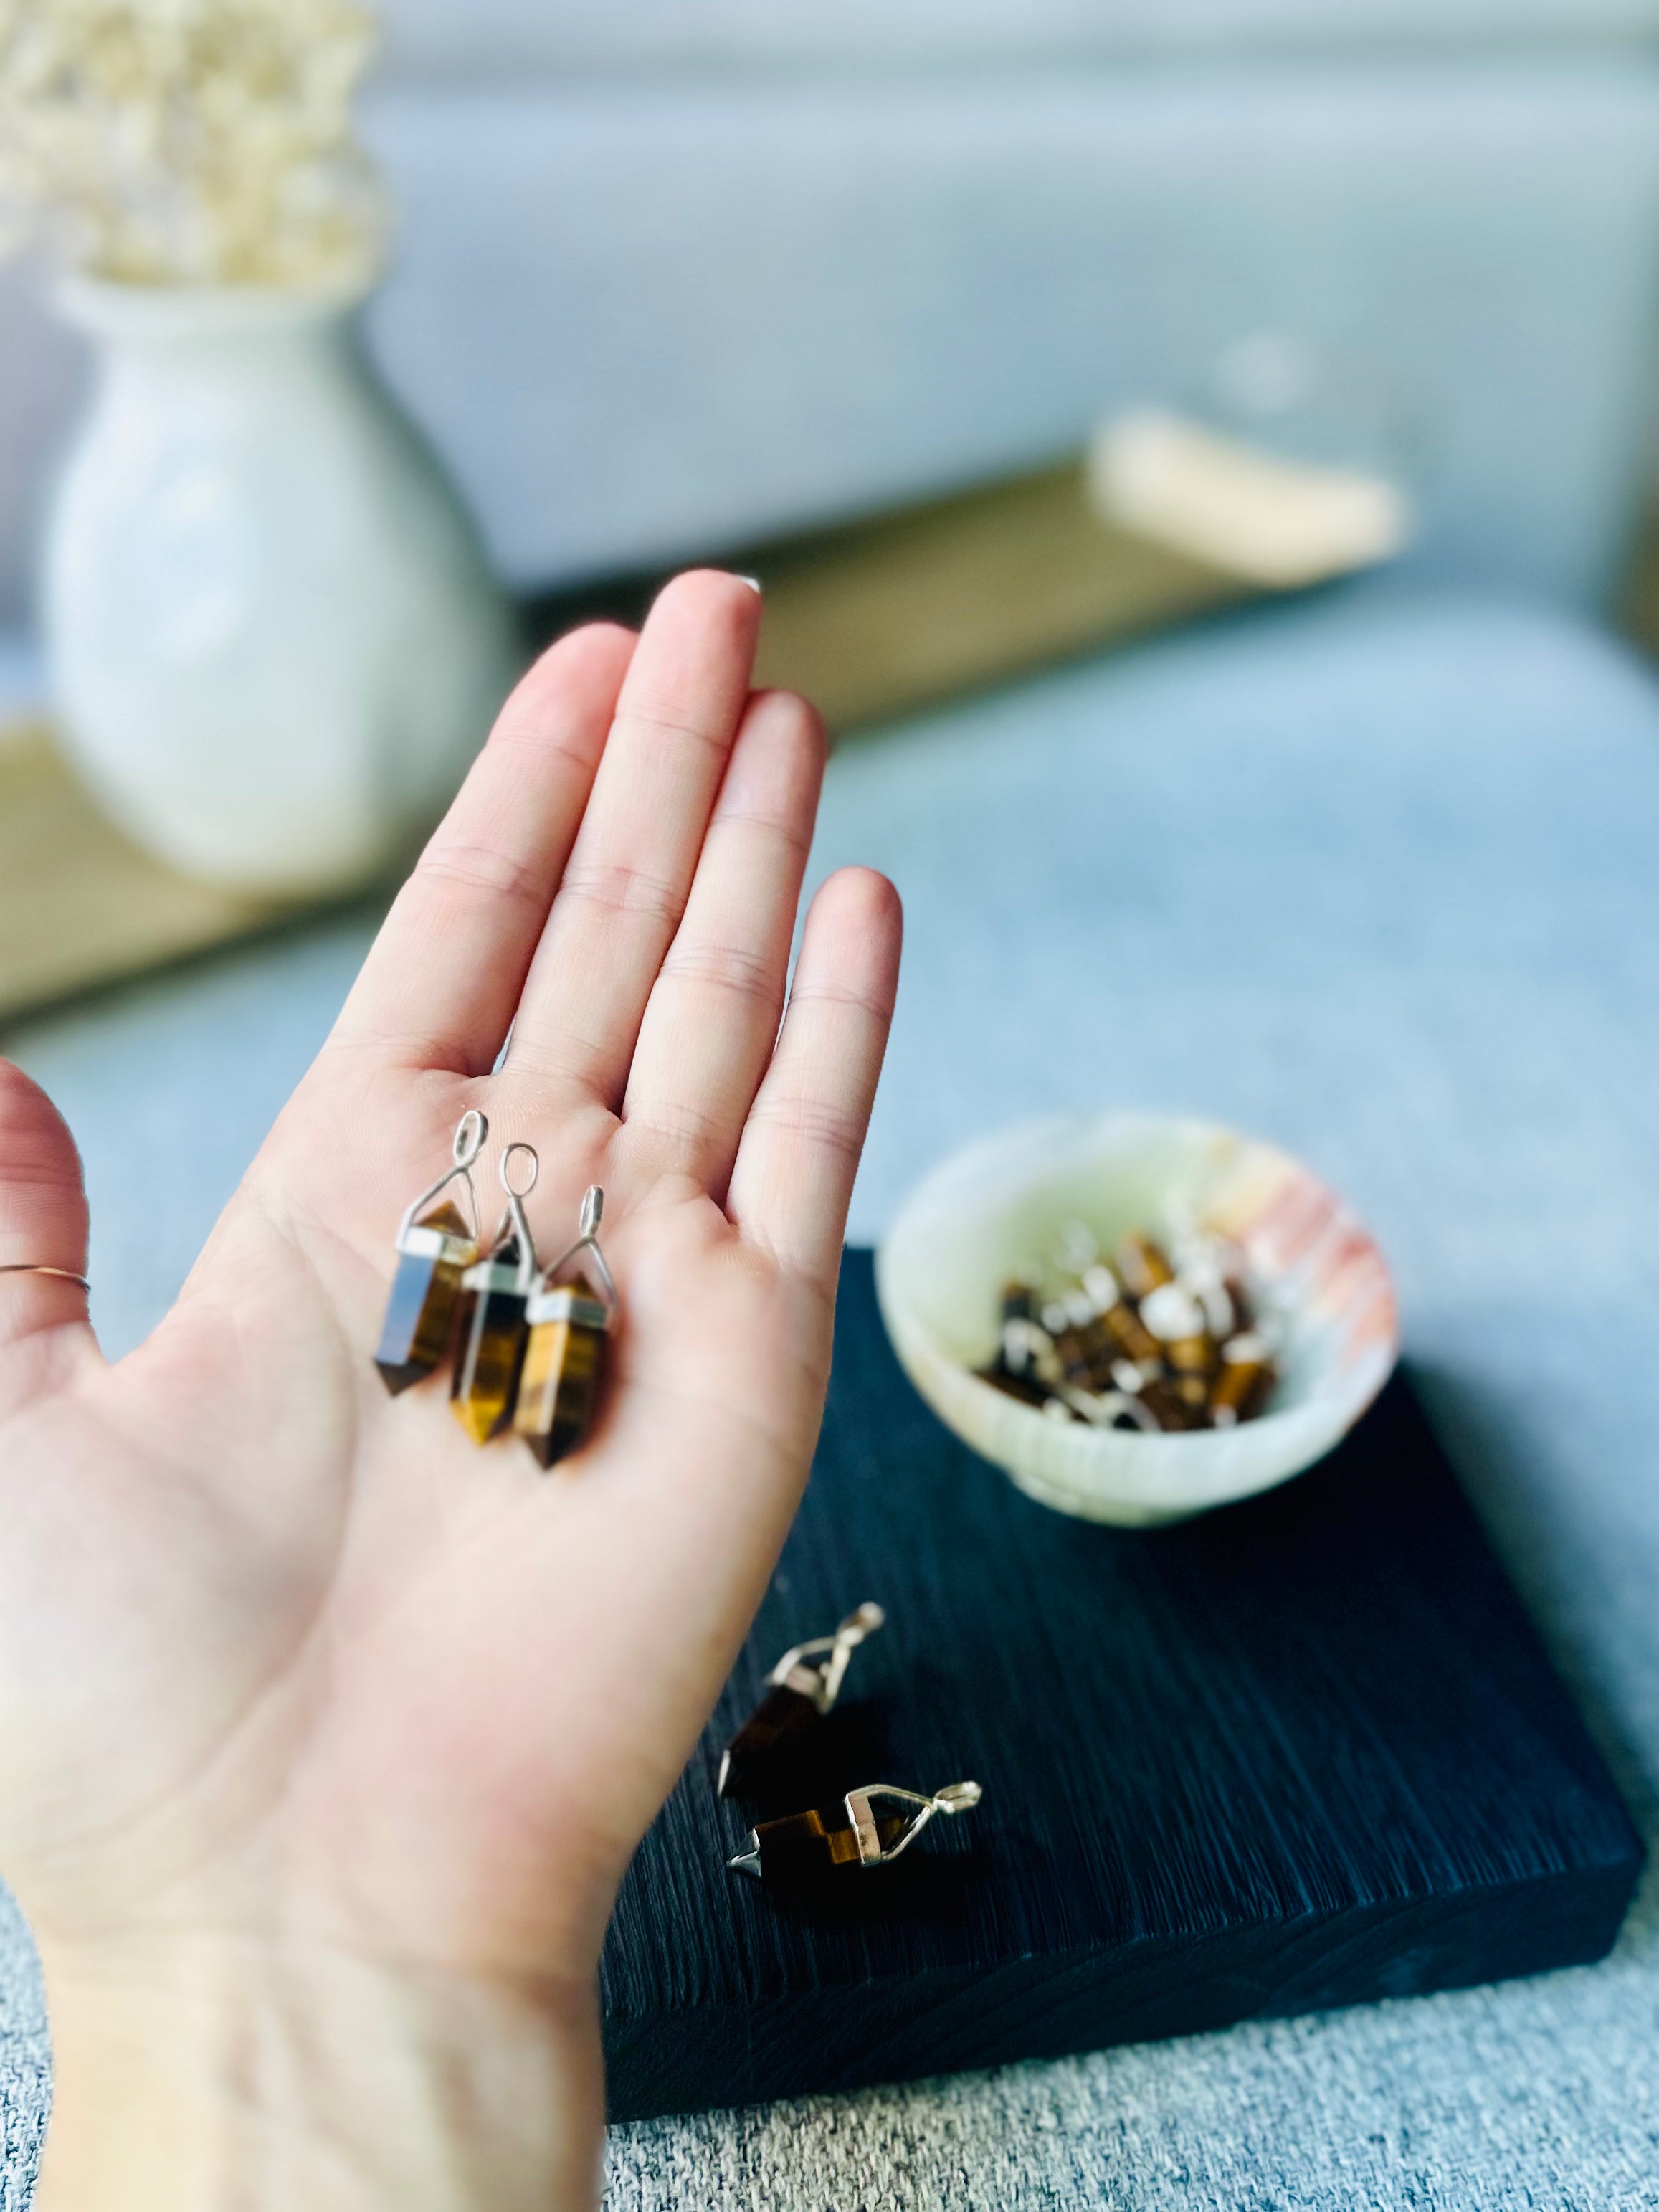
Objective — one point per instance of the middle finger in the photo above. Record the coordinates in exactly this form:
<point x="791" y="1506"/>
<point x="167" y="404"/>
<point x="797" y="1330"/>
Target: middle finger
<point x="713" y="1018"/>
<point x="628" y="879"/>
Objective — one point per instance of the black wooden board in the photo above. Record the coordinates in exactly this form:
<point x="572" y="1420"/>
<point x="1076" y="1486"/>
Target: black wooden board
<point x="1303" y="1752"/>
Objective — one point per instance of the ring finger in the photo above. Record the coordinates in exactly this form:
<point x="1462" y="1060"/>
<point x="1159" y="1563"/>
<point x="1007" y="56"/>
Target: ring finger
<point x="712" y="1016"/>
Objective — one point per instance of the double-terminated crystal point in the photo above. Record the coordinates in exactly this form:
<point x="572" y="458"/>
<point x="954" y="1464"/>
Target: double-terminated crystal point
<point x="563" y="1371"/>
<point x="567" y="1323"/>
<point x="492" y="1331"/>
<point x="801" y="1849"/>
<point x="530" y="1349"/>
<point x="433" y="1255"/>
<point x="783" y="1718"/>
<point x="800" y="1690"/>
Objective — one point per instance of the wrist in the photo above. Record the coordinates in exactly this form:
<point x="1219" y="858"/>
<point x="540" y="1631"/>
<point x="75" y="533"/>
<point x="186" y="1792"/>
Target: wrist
<point x="199" y="2074"/>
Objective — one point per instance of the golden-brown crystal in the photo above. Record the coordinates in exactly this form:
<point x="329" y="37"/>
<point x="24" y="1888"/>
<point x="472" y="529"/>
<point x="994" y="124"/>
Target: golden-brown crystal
<point x="1143" y="1264"/>
<point x="803" y="1847"/>
<point x="492" y="1332"/>
<point x="420" y="1311"/>
<point x="563" y="1373"/>
<point x="1141" y="1347"/>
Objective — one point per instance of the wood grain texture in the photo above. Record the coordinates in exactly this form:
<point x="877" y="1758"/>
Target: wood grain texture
<point x="1305" y="1752"/>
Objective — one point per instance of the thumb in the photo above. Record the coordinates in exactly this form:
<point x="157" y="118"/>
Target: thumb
<point x="42" y="1212"/>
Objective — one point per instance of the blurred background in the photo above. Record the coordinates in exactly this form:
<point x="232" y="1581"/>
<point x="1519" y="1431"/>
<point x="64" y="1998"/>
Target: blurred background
<point x="668" y="278"/>
<point x="1367" y="868"/>
<point x="684" y="279"/>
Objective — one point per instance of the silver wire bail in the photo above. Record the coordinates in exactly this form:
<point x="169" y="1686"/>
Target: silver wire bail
<point x="515" y="1223"/>
<point x="585" y="1253"/>
<point x="821" y="1681"/>
<point x="470" y="1134"/>
<point x="468" y="1141"/>
<point x="954" y="1797"/>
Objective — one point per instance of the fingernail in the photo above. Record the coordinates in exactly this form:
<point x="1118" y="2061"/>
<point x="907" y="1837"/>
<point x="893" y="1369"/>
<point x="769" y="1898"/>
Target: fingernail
<point x="753" y="582"/>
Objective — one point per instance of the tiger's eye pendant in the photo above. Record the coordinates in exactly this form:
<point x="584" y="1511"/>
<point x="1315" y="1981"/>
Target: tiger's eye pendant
<point x="564" y="1359"/>
<point x="563" y="1371"/>
<point x="798" y="1693"/>
<point x="800" y="1850"/>
<point x="494" y="1294"/>
<point x="436" y="1245"/>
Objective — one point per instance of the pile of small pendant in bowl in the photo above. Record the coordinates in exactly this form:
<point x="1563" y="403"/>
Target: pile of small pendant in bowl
<point x="528" y="1340"/>
<point x="1301" y="1273"/>
<point x="1155" y="1339"/>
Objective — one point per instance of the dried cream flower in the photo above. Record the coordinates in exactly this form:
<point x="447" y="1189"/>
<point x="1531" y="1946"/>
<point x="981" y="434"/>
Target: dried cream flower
<point x="191" y="141"/>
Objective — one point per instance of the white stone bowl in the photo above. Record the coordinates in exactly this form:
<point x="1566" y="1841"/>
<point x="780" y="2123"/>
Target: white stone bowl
<point x="988" y="1211"/>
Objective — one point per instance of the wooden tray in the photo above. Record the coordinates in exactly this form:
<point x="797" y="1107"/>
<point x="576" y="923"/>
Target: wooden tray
<point x="875" y="618"/>
<point x="78" y="904"/>
<point x="1302" y="1752"/>
<point x="871" y="619"/>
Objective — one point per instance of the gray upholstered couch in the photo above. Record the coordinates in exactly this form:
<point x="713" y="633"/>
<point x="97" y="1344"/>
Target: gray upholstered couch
<point x="1375" y="877"/>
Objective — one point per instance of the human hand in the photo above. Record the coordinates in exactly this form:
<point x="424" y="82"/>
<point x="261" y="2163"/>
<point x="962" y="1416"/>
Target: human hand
<point x="326" y="1737"/>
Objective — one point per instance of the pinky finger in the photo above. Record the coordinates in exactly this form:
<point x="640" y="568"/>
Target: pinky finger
<point x="793" y="1177"/>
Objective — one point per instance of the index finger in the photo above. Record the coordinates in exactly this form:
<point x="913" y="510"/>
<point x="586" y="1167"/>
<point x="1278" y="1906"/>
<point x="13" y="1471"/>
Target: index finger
<point x="442" y="978"/>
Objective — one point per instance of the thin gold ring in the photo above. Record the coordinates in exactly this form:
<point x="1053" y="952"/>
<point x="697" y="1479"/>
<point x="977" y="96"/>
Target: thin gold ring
<point x="39" y="1268"/>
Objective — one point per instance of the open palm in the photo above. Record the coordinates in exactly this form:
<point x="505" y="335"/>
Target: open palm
<point x="299" y="1683"/>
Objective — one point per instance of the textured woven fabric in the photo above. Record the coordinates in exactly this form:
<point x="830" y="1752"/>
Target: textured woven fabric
<point x="1380" y="881"/>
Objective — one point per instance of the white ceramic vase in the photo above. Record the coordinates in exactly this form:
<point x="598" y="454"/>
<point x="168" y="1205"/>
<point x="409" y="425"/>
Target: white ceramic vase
<point x="273" y="641"/>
